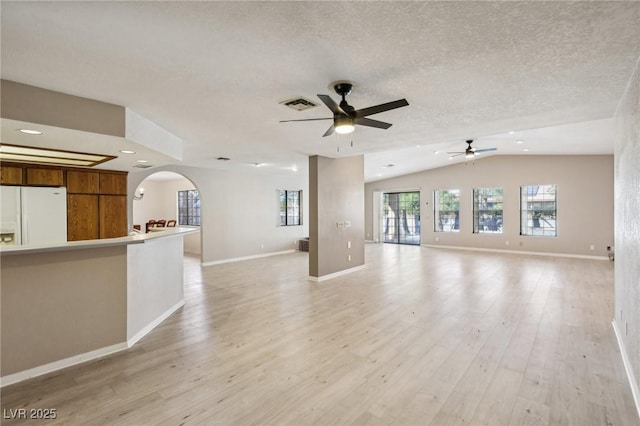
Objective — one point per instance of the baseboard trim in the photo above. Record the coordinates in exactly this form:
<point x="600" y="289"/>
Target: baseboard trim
<point x="87" y="356"/>
<point x="40" y="370"/>
<point x="532" y="253"/>
<point x="255" y="256"/>
<point x="336" y="274"/>
<point x="153" y="324"/>
<point x="635" y="391"/>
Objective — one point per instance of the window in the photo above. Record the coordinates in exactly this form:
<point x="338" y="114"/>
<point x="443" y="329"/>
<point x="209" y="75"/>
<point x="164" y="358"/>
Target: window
<point x="487" y="211"/>
<point x="290" y="208"/>
<point x="401" y="217"/>
<point x="189" y="208"/>
<point x="538" y="210"/>
<point x="447" y="210"/>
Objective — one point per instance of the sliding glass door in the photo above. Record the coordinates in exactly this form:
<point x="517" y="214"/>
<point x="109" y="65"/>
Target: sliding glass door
<point x="401" y="217"/>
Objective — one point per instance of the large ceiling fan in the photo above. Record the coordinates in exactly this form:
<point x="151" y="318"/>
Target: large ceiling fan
<point x="470" y="152"/>
<point x="345" y="117"/>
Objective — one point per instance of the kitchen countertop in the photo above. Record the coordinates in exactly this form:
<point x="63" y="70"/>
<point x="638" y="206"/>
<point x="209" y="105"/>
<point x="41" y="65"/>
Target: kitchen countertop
<point x="86" y="244"/>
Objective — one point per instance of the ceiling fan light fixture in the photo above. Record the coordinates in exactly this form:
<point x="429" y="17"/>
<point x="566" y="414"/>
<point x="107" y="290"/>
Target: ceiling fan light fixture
<point x="344" y="125"/>
<point x="468" y="153"/>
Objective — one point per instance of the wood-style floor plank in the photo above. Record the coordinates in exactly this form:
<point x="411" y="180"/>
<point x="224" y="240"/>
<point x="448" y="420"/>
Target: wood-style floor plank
<point x="420" y="336"/>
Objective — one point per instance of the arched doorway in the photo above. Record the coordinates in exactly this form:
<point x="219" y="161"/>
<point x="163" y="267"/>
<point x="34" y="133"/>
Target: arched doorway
<point x="169" y="196"/>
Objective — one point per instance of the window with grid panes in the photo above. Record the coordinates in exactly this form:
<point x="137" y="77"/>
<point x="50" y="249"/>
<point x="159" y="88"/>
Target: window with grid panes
<point x="538" y="210"/>
<point x="487" y="210"/>
<point x="290" y="207"/>
<point x="447" y="210"/>
<point x="189" y="208"/>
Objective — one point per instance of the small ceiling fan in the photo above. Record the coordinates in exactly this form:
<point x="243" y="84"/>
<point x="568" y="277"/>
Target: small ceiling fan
<point x="345" y="117"/>
<point x="470" y="152"/>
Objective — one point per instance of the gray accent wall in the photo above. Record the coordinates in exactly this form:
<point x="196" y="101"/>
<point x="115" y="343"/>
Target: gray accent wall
<point x="35" y="105"/>
<point x="584" y="201"/>
<point x="336" y="214"/>
<point x="627" y="228"/>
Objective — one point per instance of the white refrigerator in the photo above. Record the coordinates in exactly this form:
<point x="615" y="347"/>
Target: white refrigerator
<point x="33" y="215"/>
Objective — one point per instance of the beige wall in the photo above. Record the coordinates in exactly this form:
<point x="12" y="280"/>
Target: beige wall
<point x="36" y="331"/>
<point x="35" y="105"/>
<point x="239" y="210"/>
<point x="627" y="231"/>
<point x="584" y="200"/>
<point x="336" y="191"/>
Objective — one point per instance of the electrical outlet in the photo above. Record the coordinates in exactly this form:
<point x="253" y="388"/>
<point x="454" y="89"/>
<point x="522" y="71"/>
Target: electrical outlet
<point x="592" y="247"/>
<point x="349" y="258"/>
<point x="506" y="242"/>
<point x="437" y="239"/>
<point x="348" y="244"/>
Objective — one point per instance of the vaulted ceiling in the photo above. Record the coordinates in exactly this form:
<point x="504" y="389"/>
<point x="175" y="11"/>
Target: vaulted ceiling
<point x="214" y="73"/>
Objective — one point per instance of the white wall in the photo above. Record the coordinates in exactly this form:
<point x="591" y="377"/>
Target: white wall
<point x="160" y="201"/>
<point x="627" y="230"/>
<point x="239" y="210"/>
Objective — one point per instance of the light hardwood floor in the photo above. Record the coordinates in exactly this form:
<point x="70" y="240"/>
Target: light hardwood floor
<point x="420" y="337"/>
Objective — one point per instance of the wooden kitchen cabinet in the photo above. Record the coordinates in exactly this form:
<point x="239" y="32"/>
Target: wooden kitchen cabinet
<point x="48" y="177"/>
<point x="113" y="216"/>
<point x="83" y="220"/>
<point x="11" y="175"/>
<point x="81" y="182"/>
<point x="114" y="184"/>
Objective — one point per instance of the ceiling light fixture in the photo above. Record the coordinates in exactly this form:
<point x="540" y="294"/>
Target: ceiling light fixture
<point x="141" y="194"/>
<point x="142" y="161"/>
<point x="30" y="132"/>
<point x="519" y="142"/>
<point x="344" y="125"/>
<point x="27" y="154"/>
<point x="469" y="153"/>
<point x="525" y="149"/>
<point x="125" y="151"/>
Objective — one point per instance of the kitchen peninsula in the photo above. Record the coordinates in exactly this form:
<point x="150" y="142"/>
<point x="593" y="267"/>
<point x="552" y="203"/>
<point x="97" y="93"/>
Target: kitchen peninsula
<point x="71" y="302"/>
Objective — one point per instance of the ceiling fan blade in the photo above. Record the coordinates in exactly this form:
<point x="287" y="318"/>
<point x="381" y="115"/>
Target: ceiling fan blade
<point x="305" y="119"/>
<point x="477" y="151"/>
<point x="456" y="152"/>
<point x="381" y="108"/>
<point x="372" y="123"/>
<point x="332" y="105"/>
<point x="329" y="131"/>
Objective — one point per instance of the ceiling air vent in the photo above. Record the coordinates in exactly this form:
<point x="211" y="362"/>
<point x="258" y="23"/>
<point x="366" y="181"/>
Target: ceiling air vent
<point x="142" y="166"/>
<point x="299" y="104"/>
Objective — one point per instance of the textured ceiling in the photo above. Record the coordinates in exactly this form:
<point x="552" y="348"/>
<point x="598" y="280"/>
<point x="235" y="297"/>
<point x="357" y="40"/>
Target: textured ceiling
<point x="213" y="73"/>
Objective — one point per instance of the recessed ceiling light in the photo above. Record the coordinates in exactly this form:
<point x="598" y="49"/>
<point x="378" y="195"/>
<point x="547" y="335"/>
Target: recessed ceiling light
<point x="436" y="152"/>
<point x="125" y="151"/>
<point x="525" y="149"/>
<point x="417" y="146"/>
<point x="511" y="132"/>
<point x="141" y="161"/>
<point x="30" y="132"/>
<point x="519" y="142"/>
<point x="294" y="168"/>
